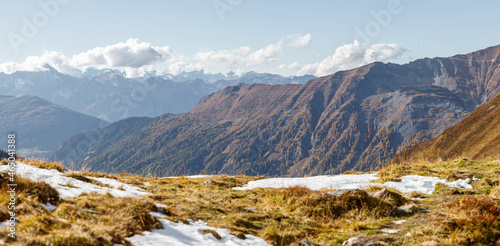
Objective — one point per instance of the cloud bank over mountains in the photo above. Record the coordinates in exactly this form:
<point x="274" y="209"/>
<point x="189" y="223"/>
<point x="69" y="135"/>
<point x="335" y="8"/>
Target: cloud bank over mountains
<point x="137" y="58"/>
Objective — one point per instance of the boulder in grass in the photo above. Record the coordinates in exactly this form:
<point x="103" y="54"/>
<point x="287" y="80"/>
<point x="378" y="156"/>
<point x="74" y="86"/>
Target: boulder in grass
<point x="354" y="241"/>
<point x="405" y="210"/>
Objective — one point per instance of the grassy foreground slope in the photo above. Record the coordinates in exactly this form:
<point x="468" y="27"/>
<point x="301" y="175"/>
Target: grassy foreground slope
<point x="280" y="216"/>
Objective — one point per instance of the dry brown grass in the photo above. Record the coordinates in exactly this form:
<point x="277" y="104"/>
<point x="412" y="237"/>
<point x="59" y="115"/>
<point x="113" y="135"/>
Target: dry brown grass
<point x="280" y="216"/>
<point x="37" y="191"/>
<point x="458" y="216"/>
<point x="90" y="219"/>
<point x="45" y="165"/>
<point x="79" y="176"/>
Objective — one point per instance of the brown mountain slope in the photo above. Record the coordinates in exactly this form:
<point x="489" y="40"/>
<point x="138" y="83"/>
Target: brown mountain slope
<point x="477" y="137"/>
<point x="40" y="125"/>
<point x="356" y="119"/>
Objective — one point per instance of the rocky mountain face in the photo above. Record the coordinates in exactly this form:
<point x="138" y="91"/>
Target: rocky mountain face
<point x="476" y="137"/>
<point x="108" y="95"/>
<point x="356" y="119"/>
<point x="40" y="125"/>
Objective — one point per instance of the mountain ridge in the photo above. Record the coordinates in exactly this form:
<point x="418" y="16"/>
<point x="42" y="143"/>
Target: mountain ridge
<point x="354" y="119"/>
<point x="39" y="124"/>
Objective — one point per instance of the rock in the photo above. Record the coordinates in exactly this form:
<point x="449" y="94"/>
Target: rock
<point x="341" y="192"/>
<point x="354" y="241"/>
<point x="305" y="242"/>
<point x="208" y="182"/>
<point x="379" y="193"/>
<point x="405" y="210"/>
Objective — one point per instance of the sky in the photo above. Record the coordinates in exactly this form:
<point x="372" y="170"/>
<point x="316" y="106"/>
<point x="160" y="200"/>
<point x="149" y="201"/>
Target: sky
<point x="284" y="37"/>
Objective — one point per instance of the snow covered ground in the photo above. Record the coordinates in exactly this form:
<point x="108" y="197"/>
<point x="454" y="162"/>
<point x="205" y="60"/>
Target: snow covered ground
<point x="70" y="187"/>
<point x="425" y="185"/>
<point x="349" y="181"/>
<point x="408" y="183"/>
<point x="180" y="234"/>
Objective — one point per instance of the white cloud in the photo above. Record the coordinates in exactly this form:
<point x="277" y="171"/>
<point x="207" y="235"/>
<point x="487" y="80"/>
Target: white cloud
<point x="129" y="54"/>
<point x="236" y="59"/>
<point x="138" y="58"/>
<point x="135" y="57"/>
<point x="37" y="63"/>
<point x="225" y="58"/>
<point x="266" y="54"/>
<point x="297" y="41"/>
<point x="293" y="66"/>
<point x="350" y="56"/>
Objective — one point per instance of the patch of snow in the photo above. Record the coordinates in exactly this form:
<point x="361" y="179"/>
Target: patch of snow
<point x="417" y="199"/>
<point x="158" y="215"/>
<point x="70" y="187"/>
<point x="390" y="231"/>
<point x="180" y="234"/>
<point x="132" y="190"/>
<point x="424" y="184"/>
<point x="62" y="220"/>
<point x="4" y="224"/>
<point x="408" y="183"/>
<point x="349" y="181"/>
<point x="7" y="223"/>
<point x="159" y="205"/>
<point x="475" y="179"/>
<point x="399" y="222"/>
<point x="49" y="207"/>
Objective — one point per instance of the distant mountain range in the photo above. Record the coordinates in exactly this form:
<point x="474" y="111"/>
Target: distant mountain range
<point x="476" y="137"/>
<point x="39" y="124"/>
<point x="356" y="119"/>
<point x="108" y="95"/>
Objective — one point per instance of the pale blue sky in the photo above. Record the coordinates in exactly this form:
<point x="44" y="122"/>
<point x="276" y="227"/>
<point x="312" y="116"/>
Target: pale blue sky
<point x="188" y="27"/>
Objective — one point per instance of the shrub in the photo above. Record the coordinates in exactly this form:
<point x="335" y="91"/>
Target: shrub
<point x="476" y="220"/>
